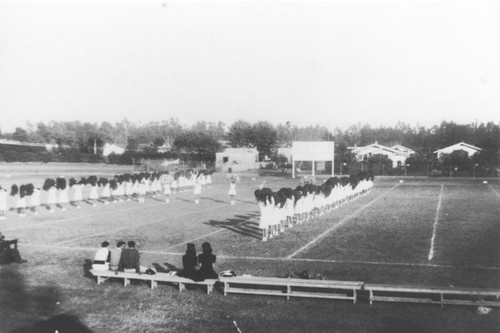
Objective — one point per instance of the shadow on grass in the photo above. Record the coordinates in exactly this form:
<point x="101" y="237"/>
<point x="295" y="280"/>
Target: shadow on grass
<point x="60" y="323"/>
<point x="240" y="225"/>
<point x="88" y="202"/>
<point x="168" y="267"/>
<point x="186" y="200"/>
<point x="87" y="266"/>
<point x="215" y="200"/>
<point x="18" y="300"/>
<point x="246" y="201"/>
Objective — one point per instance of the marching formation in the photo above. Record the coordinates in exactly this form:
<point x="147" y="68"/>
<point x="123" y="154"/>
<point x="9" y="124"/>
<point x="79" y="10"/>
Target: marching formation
<point x="287" y="207"/>
<point x="62" y="193"/>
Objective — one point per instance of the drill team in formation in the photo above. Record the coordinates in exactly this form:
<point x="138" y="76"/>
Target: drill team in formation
<point x="62" y="194"/>
<point x="287" y="207"/>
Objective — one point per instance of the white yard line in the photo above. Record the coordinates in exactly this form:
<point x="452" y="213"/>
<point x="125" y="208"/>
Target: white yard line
<point x="162" y="219"/>
<point x="436" y="219"/>
<point x="342" y="222"/>
<point x="491" y="188"/>
<point x="166" y="253"/>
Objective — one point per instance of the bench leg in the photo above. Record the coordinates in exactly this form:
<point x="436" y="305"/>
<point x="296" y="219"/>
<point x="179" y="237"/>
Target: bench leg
<point x="209" y="289"/>
<point x="371" y="297"/>
<point x="126" y="282"/>
<point x="101" y="279"/>
<point x="288" y="292"/>
<point x="226" y="286"/>
<point x="354" y="296"/>
<point x="154" y="284"/>
<point x="181" y="286"/>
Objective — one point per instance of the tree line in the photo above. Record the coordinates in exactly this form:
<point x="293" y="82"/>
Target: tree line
<point x="207" y="137"/>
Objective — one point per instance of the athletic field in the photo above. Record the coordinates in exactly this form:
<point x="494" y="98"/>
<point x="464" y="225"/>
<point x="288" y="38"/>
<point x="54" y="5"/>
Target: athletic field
<point x="426" y="232"/>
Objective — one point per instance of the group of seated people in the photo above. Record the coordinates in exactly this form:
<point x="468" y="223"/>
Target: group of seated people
<point x="205" y="261"/>
<point x="9" y="252"/>
<point x="126" y="258"/>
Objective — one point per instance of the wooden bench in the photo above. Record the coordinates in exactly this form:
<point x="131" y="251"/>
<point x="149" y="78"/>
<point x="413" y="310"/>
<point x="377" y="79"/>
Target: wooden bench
<point x="453" y="296"/>
<point x="154" y="279"/>
<point x="292" y="287"/>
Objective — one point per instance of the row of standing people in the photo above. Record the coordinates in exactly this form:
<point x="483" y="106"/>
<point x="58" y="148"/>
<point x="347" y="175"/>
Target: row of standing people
<point x="122" y="187"/>
<point x="287" y="207"/>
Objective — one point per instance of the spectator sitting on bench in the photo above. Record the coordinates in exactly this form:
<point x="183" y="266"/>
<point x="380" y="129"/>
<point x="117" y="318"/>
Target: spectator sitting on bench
<point x="189" y="263"/>
<point x="115" y="255"/>
<point x="129" y="260"/>
<point x="9" y="252"/>
<point x="207" y="262"/>
<point x="101" y="258"/>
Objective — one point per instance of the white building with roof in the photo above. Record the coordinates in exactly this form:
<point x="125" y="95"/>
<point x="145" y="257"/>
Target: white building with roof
<point x="397" y="154"/>
<point x="237" y="159"/>
<point x="470" y="149"/>
<point x="111" y="148"/>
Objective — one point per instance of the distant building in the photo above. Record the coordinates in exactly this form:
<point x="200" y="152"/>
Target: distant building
<point x="397" y="154"/>
<point x="237" y="159"/>
<point x="403" y="149"/>
<point x="111" y="148"/>
<point x="13" y="145"/>
<point x="470" y="149"/>
<point x="166" y="147"/>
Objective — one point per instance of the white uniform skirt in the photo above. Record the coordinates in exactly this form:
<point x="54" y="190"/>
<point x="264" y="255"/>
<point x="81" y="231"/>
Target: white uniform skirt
<point x="232" y="189"/>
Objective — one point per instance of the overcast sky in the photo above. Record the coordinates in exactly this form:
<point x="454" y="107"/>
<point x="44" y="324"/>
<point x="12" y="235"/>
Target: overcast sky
<point x="333" y="63"/>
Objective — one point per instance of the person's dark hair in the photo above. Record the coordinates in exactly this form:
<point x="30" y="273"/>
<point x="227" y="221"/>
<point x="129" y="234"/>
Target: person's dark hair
<point x="105" y="244"/>
<point x="22" y="191"/>
<point x="260" y="196"/>
<point x="131" y="244"/>
<point x="191" y="250"/>
<point x="14" y="190"/>
<point x="206" y="248"/>
<point x="120" y="244"/>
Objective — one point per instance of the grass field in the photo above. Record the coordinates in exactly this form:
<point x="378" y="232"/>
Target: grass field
<point x="432" y="232"/>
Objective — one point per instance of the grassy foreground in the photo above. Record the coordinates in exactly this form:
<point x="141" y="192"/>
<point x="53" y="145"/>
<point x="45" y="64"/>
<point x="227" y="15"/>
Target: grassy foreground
<point x="384" y="238"/>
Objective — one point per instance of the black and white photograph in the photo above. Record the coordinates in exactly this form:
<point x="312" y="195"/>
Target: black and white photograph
<point x="249" y="166"/>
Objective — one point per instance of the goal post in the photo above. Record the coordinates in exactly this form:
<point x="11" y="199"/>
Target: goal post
<point x="314" y="151"/>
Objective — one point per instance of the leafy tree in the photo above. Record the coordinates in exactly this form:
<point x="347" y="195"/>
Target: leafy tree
<point x="196" y="142"/>
<point x="240" y="134"/>
<point x="132" y="144"/>
<point x="343" y="157"/>
<point x="286" y="134"/>
<point x="215" y="130"/>
<point x="43" y="131"/>
<point x="379" y="164"/>
<point x="158" y="142"/>
<point x="264" y="138"/>
<point x="457" y="161"/>
<point x="20" y="135"/>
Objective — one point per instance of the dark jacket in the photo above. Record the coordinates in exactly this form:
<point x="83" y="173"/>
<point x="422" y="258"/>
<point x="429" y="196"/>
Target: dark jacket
<point x="129" y="259"/>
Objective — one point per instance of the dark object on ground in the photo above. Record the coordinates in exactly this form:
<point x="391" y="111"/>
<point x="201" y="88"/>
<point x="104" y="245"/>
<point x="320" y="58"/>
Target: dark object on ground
<point x="62" y="323"/>
<point x="9" y="252"/>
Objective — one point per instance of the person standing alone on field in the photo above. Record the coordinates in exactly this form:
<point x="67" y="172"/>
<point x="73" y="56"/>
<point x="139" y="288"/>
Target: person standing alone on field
<point x="197" y="191"/>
